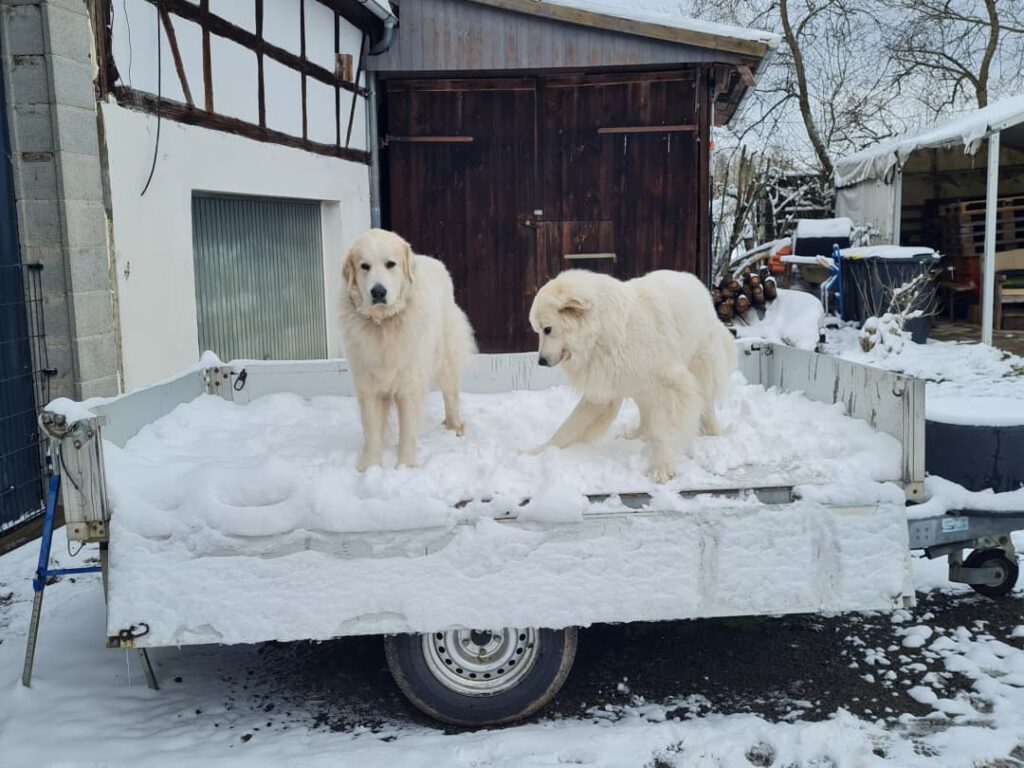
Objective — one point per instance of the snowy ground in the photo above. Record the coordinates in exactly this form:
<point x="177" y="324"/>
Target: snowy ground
<point x="952" y="369"/>
<point x="942" y="685"/>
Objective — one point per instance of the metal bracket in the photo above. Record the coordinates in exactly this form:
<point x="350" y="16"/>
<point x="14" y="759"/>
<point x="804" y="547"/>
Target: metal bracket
<point x="989" y="575"/>
<point x="218" y="381"/>
<point x="88" y="531"/>
<point x="125" y="638"/>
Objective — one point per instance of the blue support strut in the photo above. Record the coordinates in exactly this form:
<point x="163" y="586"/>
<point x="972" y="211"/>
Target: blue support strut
<point x="43" y="571"/>
<point x="43" y="574"/>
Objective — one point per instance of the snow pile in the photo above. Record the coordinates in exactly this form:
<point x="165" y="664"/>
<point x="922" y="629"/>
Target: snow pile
<point x="823" y="228"/>
<point x="283" y="463"/>
<point x="952" y="369"/>
<point x="976" y="411"/>
<point x="883" y="335"/>
<point x="945" y="496"/>
<point x="794" y="318"/>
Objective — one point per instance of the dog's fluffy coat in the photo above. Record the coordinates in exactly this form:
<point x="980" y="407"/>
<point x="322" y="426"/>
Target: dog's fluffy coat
<point x="400" y="340"/>
<point x="655" y="339"/>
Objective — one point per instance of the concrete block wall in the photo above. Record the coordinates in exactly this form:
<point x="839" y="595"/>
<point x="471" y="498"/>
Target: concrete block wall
<point x="62" y="220"/>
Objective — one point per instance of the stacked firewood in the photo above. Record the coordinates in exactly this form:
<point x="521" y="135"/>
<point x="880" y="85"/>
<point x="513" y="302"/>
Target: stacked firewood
<point x="736" y="294"/>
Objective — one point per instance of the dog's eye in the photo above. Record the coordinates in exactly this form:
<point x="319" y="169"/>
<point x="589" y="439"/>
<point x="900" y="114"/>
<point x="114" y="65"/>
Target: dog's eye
<point x="547" y="330"/>
<point x="390" y="265"/>
<point x="365" y="267"/>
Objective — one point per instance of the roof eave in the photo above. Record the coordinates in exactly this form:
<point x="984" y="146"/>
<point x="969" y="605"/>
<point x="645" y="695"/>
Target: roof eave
<point x="598" y="20"/>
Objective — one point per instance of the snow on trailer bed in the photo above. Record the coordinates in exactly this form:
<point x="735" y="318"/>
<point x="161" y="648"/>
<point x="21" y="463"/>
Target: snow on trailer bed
<point x="238" y="516"/>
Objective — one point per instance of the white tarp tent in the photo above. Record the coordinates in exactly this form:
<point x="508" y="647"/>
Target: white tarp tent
<point x="869" y="183"/>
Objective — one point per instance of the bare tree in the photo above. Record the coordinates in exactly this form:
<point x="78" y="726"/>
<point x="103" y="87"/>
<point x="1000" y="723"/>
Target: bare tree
<point x="743" y="177"/>
<point x="824" y="96"/>
<point x="965" y="47"/>
<point x="794" y="39"/>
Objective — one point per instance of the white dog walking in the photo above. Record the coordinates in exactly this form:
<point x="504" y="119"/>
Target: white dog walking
<point x="402" y="330"/>
<point x="655" y="339"/>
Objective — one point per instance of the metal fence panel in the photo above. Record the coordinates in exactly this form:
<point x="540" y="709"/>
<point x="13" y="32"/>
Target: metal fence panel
<point x="21" y="487"/>
<point x="20" y="483"/>
<point x="259" y="277"/>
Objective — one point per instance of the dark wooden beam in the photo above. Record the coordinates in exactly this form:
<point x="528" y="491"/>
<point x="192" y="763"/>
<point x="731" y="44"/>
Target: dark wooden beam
<point x="337" y="90"/>
<point x="183" y="113"/>
<point x="172" y="42"/>
<point x="363" y="48"/>
<point x="101" y="19"/>
<point x="215" y="25"/>
<point x="202" y="16"/>
<point x="302" y="55"/>
<point x="649" y="129"/>
<point x="259" y="67"/>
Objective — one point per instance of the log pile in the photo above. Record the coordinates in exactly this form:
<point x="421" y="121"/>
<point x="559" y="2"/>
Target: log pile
<point x="735" y="295"/>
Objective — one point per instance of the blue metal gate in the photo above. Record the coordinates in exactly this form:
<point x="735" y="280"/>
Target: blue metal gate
<point x="20" y="482"/>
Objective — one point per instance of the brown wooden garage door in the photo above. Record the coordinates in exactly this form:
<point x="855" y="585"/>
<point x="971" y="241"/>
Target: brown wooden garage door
<point x="510" y="181"/>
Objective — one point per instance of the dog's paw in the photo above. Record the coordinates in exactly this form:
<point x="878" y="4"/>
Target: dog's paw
<point x="458" y="427"/>
<point x="365" y="462"/>
<point x="536" y="450"/>
<point x="662" y="474"/>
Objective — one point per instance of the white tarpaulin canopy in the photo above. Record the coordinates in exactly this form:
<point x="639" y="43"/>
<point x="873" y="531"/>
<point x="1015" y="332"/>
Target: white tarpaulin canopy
<point x="878" y="162"/>
<point x="869" y="183"/>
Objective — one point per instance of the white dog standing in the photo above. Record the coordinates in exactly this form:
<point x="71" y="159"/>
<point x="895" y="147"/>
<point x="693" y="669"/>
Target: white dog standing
<point x="655" y="339"/>
<point x="402" y="330"/>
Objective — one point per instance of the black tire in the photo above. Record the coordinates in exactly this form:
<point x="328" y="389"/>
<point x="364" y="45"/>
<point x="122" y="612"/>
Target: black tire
<point x="982" y="558"/>
<point x="425" y="671"/>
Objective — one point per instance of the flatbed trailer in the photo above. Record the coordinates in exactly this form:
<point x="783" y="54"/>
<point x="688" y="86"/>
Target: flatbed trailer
<point x="479" y="614"/>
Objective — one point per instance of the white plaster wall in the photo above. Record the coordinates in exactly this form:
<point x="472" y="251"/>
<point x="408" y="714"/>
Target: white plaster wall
<point x="235" y="81"/>
<point x="152" y="235"/>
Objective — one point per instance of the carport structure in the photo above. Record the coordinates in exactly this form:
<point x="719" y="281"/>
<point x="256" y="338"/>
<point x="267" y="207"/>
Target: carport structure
<point x="904" y="185"/>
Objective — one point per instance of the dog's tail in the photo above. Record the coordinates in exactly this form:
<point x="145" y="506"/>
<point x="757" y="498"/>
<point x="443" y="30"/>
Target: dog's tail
<point x="727" y="360"/>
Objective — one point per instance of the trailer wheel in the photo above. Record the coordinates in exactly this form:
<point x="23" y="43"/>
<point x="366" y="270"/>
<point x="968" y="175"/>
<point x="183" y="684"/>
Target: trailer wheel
<point x="994" y="558"/>
<point x="481" y="677"/>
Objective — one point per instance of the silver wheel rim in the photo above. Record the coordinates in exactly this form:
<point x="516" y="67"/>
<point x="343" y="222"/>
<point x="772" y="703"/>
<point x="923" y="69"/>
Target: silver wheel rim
<point x="477" y="662"/>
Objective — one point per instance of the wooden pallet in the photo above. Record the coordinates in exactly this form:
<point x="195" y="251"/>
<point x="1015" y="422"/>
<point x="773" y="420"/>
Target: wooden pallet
<point x="962" y="226"/>
<point x="978" y="205"/>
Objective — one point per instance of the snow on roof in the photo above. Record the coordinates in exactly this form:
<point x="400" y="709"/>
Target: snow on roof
<point x="671" y="20"/>
<point x="875" y="162"/>
<point x="630" y="19"/>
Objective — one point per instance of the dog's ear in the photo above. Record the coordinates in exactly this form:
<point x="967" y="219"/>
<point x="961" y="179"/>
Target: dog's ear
<point x="408" y="262"/>
<point x="575" y="307"/>
<point x="348" y="269"/>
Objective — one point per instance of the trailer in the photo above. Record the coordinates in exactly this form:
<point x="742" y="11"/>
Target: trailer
<point x="478" y="595"/>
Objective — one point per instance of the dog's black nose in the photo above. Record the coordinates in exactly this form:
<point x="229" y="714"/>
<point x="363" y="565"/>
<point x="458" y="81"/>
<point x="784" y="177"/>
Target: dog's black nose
<point x="378" y="293"/>
<point x="542" y="361"/>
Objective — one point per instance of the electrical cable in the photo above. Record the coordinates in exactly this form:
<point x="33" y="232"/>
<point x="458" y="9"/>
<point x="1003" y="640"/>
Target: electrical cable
<point x="159" y="96"/>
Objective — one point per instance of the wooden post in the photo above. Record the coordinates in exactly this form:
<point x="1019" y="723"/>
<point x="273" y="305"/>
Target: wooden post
<point x="988" y="266"/>
<point x="204" y="14"/>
